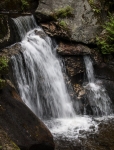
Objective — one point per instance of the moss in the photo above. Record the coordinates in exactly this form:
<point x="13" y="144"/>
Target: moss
<point x="3" y="70"/>
<point x="106" y="41"/>
<point x="3" y="64"/>
<point x="63" y="24"/>
<point x="62" y="13"/>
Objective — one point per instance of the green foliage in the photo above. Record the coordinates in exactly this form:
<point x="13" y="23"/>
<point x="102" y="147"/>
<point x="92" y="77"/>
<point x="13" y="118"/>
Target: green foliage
<point x="63" y="24"/>
<point x="94" y="6"/>
<point x="25" y="5"/>
<point x="63" y="12"/>
<point x="3" y="63"/>
<point x="3" y="70"/>
<point x="106" y="42"/>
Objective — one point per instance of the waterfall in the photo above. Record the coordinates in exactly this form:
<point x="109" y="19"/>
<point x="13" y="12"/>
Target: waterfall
<point x="97" y="95"/>
<point x="38" y="73"/>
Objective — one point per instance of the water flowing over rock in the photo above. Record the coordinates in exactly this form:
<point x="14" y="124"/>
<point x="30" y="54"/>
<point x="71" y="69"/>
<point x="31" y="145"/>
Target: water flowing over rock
<point x="38" y="75"/>
<point x="98" y="98"/>
<point x="41" y="72"/>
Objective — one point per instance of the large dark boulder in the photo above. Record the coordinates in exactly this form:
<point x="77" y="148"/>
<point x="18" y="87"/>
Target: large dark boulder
<point x="6" y="142"/>
<point x="21" y="125"/>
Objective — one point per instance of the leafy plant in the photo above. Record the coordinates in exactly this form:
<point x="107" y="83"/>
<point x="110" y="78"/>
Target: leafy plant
<point x="63" y="12"/>
<point x="3" y="70"/>
<point x="63" y="24"/>
<point x="25" y="5"/>
<point x="106" y="42"/>
<point x="3" y="63"/>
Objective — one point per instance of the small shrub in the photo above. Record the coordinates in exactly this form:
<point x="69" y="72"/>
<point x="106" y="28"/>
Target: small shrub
<point x="3" y="64"/>
<point x="63" y="24"/>
<point x="106" y="42"/>
<point x="63" y="13"/>
<point x="25" y="5"/>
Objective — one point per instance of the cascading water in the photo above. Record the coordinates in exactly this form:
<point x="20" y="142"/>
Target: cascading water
<point x="98" y="98"/>
<point x="40" y="80"/>
<point x="38" y="75"/>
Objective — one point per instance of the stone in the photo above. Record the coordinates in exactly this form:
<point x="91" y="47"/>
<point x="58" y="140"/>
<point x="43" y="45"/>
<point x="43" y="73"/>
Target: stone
<point x="53" y="29"/>
<point x="21" y="125"/>
<point x="5" y="32"/>
<point x="6" y="142"/>
<point x="73" y="49"/>
<point x="83" y="25"/>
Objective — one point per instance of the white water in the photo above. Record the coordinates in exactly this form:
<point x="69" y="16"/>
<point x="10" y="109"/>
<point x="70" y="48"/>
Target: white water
<point x="97" y="95"/>
<point x="40" y="82"/>
<point x="39" y="79"/>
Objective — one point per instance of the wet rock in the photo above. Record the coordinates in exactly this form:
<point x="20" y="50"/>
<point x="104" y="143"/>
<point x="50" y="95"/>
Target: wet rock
<point x="73" y="49"/>
<point x="21" y="125"/>
<point x="75" y="68"/>
<point x="53" y="29"/>
<point x="103" y="139"/>
<point x="83" y="25"/>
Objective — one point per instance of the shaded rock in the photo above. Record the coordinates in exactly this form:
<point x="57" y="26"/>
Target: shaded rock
<point x="74" y="65"/>
<point x="21" y="125"/>
<point x="5" y="31"/>
<point x="13" y="6"/>
<point x="6" y="143"/>
<point x="72" y="49"/>
<point x="83" y="26"/>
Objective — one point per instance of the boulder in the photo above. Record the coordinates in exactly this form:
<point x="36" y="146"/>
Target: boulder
<point x="82" y="23"/>
<point x="73" y="49"/>
<point x="6" y="142"/>
<point x="20" y="124"/>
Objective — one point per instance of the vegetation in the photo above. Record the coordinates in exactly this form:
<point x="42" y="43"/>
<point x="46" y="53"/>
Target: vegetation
<point x="63" y="24"/>
<point x="25" y="5"/>
<point x="63" y="12"/>
<point x="3" y="70"/>
<point x="102" y="5"/>
<point x="3" y="64"/>
<point x="106" y="42"/>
